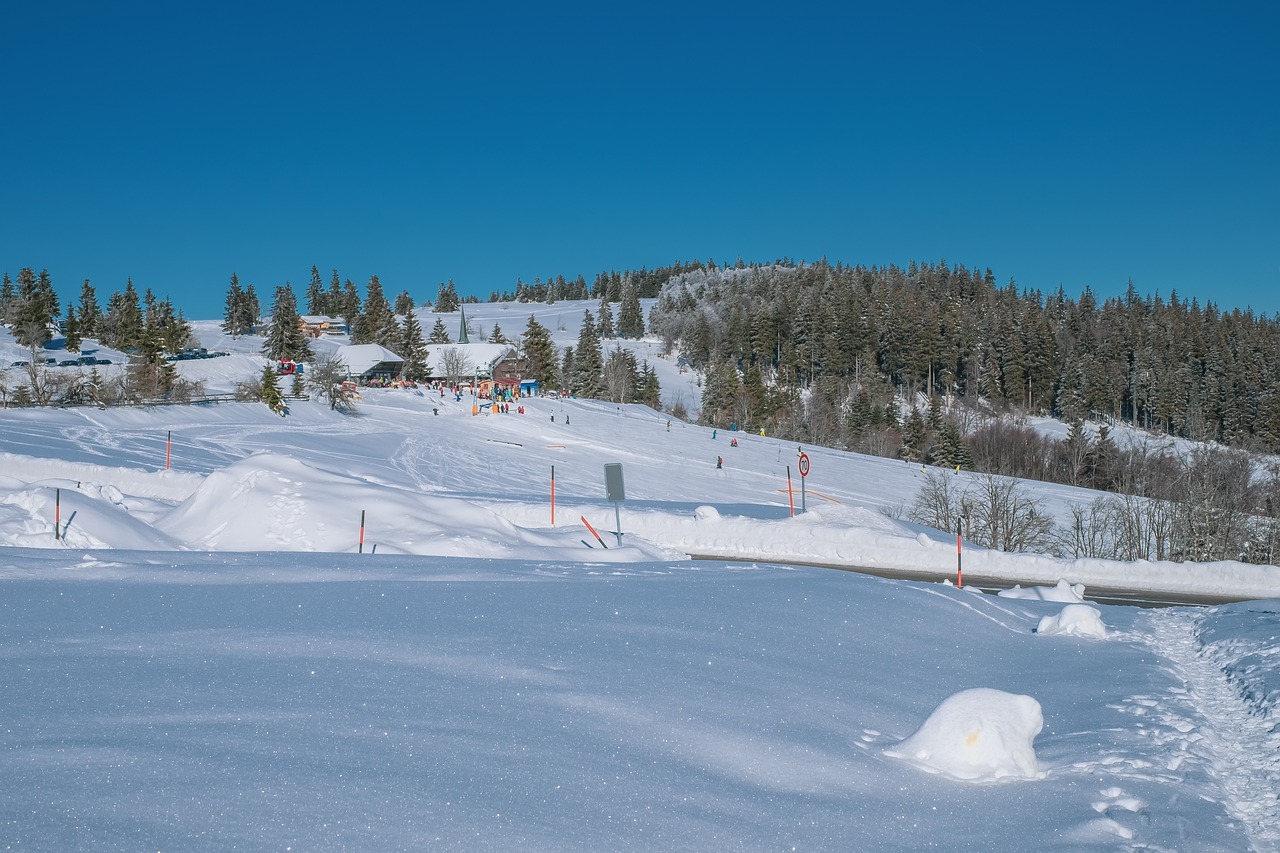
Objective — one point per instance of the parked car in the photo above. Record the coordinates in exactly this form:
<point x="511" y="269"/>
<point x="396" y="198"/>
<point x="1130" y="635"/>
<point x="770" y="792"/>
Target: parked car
<point x="20" y="364"/>
<point x="88" y="359"/>
<point x="69" y="362"/>
<point x="104" y="361"/>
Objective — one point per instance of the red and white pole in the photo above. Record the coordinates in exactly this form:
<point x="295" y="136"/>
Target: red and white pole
<point x="791" y="498"/>
<point x="959" y="568"/>
<point x="361" y="532"/>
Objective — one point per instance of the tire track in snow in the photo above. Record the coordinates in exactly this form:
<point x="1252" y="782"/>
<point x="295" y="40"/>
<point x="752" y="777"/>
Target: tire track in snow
<point x="1241" y="747"/>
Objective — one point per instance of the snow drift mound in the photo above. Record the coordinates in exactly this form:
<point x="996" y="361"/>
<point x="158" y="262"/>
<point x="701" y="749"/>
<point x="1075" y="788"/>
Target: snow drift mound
<point x="1076" y="619"/>
<point x="269" y="502"/>
<point x="978" y="735"/>
<point x="1063" y="591"/>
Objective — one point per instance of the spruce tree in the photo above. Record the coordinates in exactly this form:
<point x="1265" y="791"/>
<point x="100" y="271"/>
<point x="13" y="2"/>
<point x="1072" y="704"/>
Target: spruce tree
<point x="621" y="375"/>
<point x="233" y="309"/>
<point x="242" y="309"/>
<point x="605" y="327"/>
<point x="8" y="299"/>
<point x="315" y="293"/>
<point x="439" y="334"/>
<point x="333" y="298"/>
<point x="447" y="300"/>
<point x="35" y="307"/>
<point x="122" y="322"/>
<point x="349" y="305"/>
<point x="150" y="342"/>
<point x="173" y="329"/>
<point x="285" y="338"/>
<point x="404" y="303"/>
<point x="539" y="354"/>
<point x="585" y="378"/>
<point x="649" y="391"/>
<point x="269" y="387"/>
<point x="376" y="324"/>
<point x="250" y="309"/>
<point x="71" y="329"/>
<point x="915" y="435"/>
<point x="566" y="365"/>
<point x="630" y="315"/>
<point x="413" y="349"/>
<point x="89" y="313"/>
<point x="719" y="386"/>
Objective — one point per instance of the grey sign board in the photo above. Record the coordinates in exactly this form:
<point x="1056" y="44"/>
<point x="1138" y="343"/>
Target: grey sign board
<point x="613" y="482"/>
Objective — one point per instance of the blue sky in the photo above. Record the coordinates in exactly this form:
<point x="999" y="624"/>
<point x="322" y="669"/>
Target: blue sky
<point x="1073" y="145"/>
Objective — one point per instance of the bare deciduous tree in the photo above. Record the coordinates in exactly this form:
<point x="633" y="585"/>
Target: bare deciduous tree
<point x="325" y="379"/>
<point x="995" y="512"/>
<point x="456" y="365"/>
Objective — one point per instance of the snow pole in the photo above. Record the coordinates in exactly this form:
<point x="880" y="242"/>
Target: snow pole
<point x="553" y="496"/>
<point x="361" y="551"/>
<point x="959" y="569"/>
<point x="593" y="532"/>
<point x="168" y="446"/>
<point x="791" y="497"/>
<point x="57" y="514"/>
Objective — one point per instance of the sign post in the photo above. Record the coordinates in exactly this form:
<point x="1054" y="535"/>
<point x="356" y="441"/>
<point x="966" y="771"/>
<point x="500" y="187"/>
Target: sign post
<point x="804" y="472"/>
<point x="614" y="491"/>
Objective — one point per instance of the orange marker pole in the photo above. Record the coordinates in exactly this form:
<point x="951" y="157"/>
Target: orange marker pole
<point x="959" y="568"/>
<point x="361" y="531"/>
<point x="791" y="498"/>
<point x="593" y="532"/>
<point x="168" y="445"/>
<point x="57" y="514"/>
<point x="553" y="496"/>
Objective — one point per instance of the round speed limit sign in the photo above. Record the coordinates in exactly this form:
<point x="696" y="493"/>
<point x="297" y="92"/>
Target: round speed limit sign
<point x="804" y="465"/>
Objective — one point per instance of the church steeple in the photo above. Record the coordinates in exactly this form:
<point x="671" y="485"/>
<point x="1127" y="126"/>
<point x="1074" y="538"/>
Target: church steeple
<point x="462" y="333"/>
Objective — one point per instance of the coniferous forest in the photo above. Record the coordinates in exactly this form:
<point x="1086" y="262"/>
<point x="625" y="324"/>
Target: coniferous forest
<point x="939" y="365"/>
<point x="856" y="336"/>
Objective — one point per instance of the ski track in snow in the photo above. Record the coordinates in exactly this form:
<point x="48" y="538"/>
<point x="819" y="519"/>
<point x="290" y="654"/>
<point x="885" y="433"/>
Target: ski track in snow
<point x="1240" y="745"/>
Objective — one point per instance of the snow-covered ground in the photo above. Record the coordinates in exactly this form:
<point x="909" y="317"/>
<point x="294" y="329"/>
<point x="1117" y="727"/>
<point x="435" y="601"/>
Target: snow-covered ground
<point x="217" y="655"/>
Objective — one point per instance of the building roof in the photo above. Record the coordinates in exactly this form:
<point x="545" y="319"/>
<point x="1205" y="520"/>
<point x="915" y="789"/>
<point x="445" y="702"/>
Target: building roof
<point x="361" y="358"/>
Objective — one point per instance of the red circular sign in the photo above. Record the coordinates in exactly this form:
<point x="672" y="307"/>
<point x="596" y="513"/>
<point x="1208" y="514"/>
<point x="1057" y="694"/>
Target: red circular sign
<point x="804" y="465"/>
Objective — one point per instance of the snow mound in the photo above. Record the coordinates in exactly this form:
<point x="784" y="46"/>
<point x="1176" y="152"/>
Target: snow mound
<point x="706" y="513"/>
<point x="978" y="735"/>
<point x="270" y="502"/>
<point x="1063" y="591"/>
<point x="1075" y="619"/>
